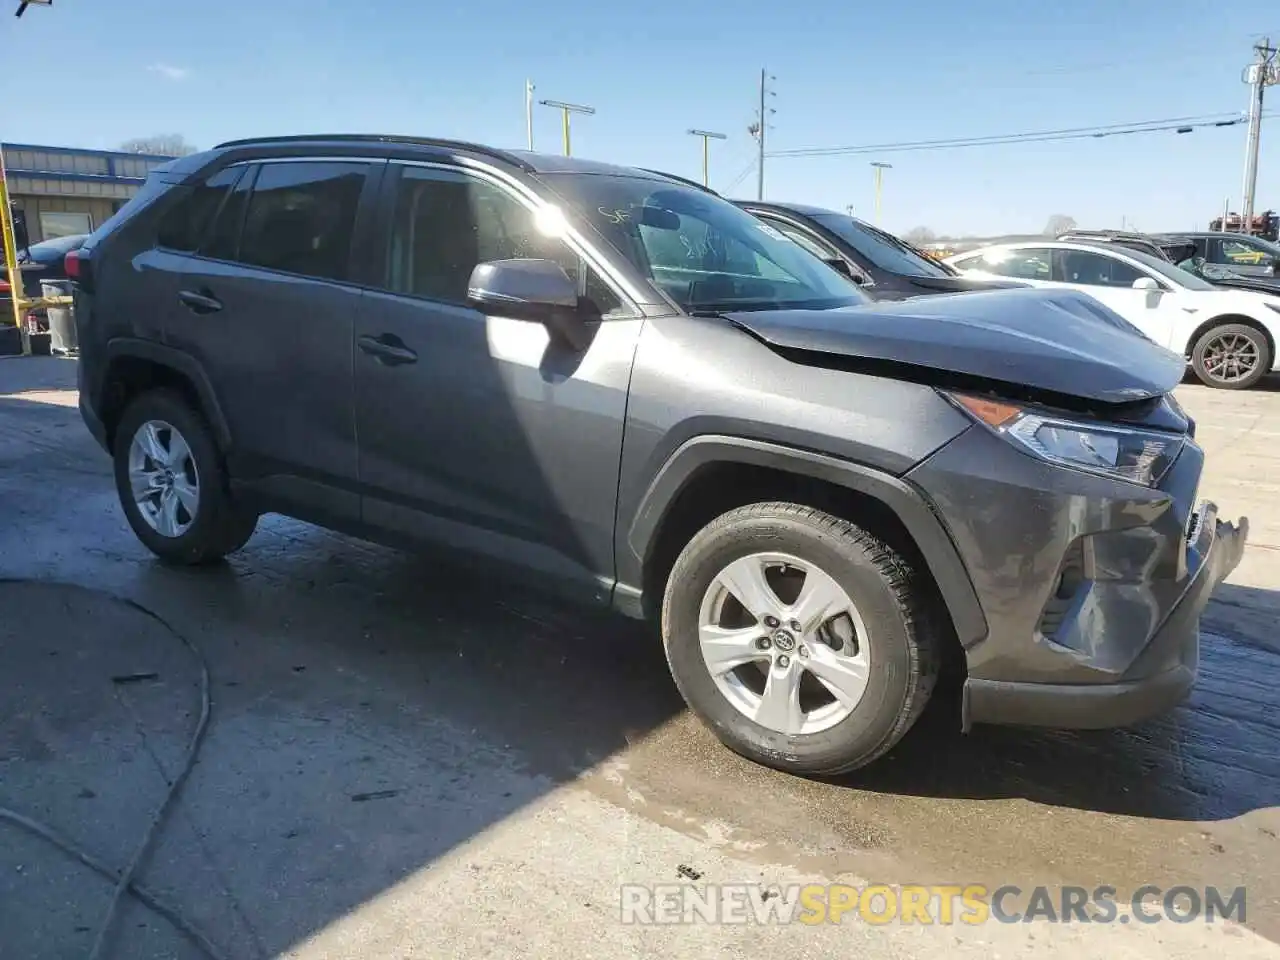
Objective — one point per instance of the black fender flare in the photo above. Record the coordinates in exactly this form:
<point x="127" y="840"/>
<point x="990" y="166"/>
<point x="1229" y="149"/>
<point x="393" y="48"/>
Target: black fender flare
<point x="184" y="364"/>
<point x="910" y="505"/>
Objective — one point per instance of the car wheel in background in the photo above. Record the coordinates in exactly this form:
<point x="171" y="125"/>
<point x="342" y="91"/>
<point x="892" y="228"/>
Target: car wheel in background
<point x="1233" y="356"/>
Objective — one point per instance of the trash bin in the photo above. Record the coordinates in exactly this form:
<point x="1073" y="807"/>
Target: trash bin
<point x="62" y="321"/>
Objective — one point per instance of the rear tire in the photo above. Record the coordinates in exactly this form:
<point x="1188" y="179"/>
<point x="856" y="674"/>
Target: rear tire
<point x="888" y="627"/>
<point x="172" y="483"/>
<point x="1232" y="356"/>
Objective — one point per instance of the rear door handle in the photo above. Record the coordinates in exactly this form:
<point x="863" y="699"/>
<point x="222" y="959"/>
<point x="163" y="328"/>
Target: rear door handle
<point x="391" y="354"/>
<point x="200" y="302"/>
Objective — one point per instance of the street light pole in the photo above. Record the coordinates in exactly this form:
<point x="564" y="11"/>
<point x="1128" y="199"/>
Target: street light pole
<point x="566" y="109"/>
<point x="880" y="167"/>
<point x="528" y="111"/>
<point x="707" y="136"/>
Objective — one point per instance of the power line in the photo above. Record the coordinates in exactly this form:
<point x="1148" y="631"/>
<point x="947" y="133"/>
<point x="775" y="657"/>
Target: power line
<point x="746" y="171"/>
<point x="1176" y="124"/>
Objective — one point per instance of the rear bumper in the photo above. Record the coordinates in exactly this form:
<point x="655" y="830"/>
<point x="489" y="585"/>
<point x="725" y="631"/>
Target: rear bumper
<point x="1216" y="546"/>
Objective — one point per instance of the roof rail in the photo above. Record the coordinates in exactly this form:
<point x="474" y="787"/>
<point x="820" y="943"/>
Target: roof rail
<point x="493" y="152"/>
<point x="685" y="180"/>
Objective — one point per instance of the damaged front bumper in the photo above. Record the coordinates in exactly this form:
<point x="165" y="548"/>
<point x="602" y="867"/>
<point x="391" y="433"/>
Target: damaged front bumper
<point x="1160" y="678"/>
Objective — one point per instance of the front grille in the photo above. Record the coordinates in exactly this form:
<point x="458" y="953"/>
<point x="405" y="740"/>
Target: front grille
<point x="1067" y="586"/>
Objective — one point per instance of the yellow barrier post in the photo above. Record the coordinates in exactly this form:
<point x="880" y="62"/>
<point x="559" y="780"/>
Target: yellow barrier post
<point x="12" y="270"/>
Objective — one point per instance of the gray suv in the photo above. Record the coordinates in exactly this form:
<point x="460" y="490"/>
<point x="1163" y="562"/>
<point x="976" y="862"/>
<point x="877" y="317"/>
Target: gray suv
<point x="623" y="387"/>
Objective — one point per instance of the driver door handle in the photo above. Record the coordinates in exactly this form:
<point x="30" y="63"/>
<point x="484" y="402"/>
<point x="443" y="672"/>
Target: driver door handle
<point x="200" y="301"/>
<point x="388" y="349"/>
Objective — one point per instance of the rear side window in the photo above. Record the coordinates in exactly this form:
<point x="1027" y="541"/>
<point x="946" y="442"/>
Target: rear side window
<point x="184" y="226"/>
<point x="301" y="217"/>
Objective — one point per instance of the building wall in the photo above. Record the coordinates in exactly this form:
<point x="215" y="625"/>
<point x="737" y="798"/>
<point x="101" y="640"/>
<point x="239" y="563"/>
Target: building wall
<point x="46" y="181"/>
<point x="97" y="208"/>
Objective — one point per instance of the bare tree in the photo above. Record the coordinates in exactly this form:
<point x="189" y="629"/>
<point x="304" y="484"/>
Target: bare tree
<point x="918" y="236"/>
<point x="1059" y="224"/>
<point x="161" y="145"/>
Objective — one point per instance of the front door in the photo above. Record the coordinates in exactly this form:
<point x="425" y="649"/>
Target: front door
<point x="1110" y="280"/>
<point x="268" y="311"/>
<point x="483" y="434"/>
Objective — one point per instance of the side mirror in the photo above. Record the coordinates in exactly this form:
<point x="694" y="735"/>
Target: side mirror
<point x="1145" y="283"/>
<point x="839" y="265"/>
<point x="535" y="290"/>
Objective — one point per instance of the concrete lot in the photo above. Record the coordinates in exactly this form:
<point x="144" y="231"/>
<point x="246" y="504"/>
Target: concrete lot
<point x="408" y="762"/>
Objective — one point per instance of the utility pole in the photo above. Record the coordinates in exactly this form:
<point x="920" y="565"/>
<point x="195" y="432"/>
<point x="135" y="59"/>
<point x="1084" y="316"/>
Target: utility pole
<point x="880" y="167"/>
<point x="707" y="136"/>
<point x="528" y="111"/>
<point x="1259" y="75"/>
<point x="761" y="125"/>
<point x="566" y="109"/>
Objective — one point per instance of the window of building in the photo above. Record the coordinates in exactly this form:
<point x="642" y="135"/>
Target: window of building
<point x="301" y="217"/>
<point x="63" y="224"/>
<point x="447" y="222"/>
<point x="184" y="226"/>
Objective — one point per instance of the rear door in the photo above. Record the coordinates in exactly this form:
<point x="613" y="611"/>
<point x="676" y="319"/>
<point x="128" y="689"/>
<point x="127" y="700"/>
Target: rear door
<point x="1241" y="255"/>
<point x="479" y="433"/>
<point x="268" y="308"/>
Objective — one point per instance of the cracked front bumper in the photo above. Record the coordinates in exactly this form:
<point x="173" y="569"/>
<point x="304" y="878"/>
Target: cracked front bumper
<point x="1161" y="677"/>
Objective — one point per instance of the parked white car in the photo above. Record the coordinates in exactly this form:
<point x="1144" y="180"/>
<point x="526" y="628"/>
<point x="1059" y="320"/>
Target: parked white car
<point x="1229" y="336"/>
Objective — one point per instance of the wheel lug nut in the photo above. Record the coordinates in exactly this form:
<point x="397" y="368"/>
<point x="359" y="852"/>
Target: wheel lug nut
<point x="796" y="627"/>
<point x="802" y="650"/>
<point x="784" y="661"/>
<point x="763" y="643"/>
<point x="771" y="622"/>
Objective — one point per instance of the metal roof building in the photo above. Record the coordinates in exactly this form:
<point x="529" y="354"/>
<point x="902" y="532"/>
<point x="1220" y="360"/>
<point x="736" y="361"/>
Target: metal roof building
<point x="67" y="190"/>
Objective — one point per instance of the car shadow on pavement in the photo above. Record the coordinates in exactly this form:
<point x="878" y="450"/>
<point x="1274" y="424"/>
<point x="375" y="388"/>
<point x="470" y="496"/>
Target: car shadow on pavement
<point x="1215" y="757"/>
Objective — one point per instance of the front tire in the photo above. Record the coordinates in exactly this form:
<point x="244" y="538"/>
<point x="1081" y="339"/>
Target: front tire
<point x="804" y="642"/>
<point x="1232" y="356"/>
<point x="172" y="483"/>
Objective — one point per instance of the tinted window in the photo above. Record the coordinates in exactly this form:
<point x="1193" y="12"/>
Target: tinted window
<point x="222" y="241"/>
<point x="884" y="250"/>
<point x="184" y="226"/>
<point x="803" y="239"/>
<point x="1097" y="270"/>
<point x="1029" y="264"/>
<point x="1238" y="253"/>
<point x="446" y="222"/>
<point x="301" y="217"/>
<point x="703" y="251"/>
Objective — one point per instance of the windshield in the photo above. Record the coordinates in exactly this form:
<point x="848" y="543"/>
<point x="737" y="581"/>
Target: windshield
<point x="1183" y="278"/>
<point x="704" y="252"/>
<point x="884" y="250"/>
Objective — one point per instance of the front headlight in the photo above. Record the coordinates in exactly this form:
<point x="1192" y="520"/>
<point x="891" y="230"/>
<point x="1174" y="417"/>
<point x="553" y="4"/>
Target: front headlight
<point x="1125" y="453"/>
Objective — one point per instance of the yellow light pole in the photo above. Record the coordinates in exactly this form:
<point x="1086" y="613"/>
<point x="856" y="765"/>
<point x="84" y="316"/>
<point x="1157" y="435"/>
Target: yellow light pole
<point x="880" y="167"/>
<point x="566" y="109"/>
<point x="707" y="136"/>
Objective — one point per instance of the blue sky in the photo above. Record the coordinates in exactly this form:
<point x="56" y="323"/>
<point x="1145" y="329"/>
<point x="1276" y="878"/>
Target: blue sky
<point x="847" y="73"/>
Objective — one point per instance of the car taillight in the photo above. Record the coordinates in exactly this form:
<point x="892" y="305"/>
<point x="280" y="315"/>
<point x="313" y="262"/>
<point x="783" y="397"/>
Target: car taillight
<point x="71" y="264"/>
<point x="4" y="286"/>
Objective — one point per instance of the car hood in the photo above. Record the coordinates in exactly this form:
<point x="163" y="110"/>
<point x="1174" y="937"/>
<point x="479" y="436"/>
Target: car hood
<point x="961" y="283"/>
<point x="1058" y="341"/>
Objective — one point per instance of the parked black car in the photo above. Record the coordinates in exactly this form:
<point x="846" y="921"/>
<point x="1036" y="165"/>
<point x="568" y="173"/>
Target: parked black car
<point x="42" y="261"/>
<point x="626" y="389"/>
<point x="885" y="267"/>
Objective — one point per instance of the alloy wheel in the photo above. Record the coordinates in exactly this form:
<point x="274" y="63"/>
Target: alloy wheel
<point x="784" y="643"/>
<point x="1230" y="357"/>
<point x="163" y="478"/>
